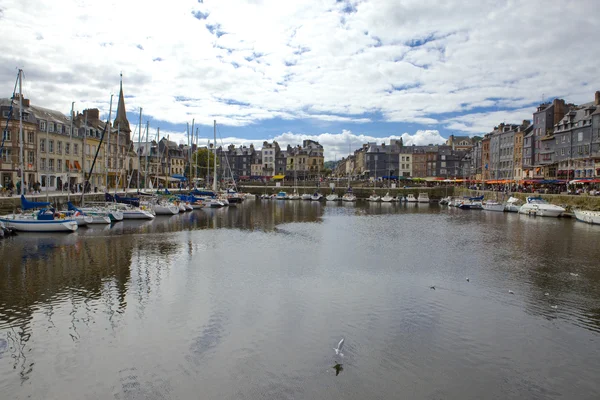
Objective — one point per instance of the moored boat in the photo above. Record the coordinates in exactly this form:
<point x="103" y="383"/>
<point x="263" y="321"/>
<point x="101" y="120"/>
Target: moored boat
<point x="589" y="217"/>
<point x="387" y="198"/>
<point x="410" y="198"/>
<point x="537" y="206"/>
<point x="492" y="205"/>
<point x="423" y="198"/>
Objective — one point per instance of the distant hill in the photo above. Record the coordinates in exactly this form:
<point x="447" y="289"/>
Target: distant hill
<point x="330" y="164"/>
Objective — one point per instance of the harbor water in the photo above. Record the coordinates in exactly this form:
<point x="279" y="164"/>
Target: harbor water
<point x="249" y="302"/>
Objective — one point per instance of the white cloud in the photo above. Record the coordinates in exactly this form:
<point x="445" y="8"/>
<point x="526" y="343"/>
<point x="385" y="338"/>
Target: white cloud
<point x="409" y="61"/>
<point x="335" y="145"/>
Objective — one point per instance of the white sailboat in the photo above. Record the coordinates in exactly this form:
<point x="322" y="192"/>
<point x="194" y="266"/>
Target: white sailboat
<point x="387" y="198"/>
<point x="216" y="202"/>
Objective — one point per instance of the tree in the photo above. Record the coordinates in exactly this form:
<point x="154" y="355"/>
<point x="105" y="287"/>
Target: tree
<point x="202" y="164"/>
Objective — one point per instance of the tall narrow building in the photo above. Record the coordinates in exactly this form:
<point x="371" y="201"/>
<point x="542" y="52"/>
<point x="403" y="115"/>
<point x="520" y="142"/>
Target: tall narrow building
<point x="120" y="146"/>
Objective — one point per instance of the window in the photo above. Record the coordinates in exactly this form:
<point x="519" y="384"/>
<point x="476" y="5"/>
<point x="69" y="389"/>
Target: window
<point x="59" y="166"/>
<point x="50" y="126"/>
<point x="6" y="135"/>
<point x="59" y="128"/>
<point x="43" y="125"/>
<point x="87" y="149"/>
<point x="579" y="136"/>
<point x="30" y="137"/>
<point x="43" y="145"/>
<point x="5" y="155"/>
<point x="67" y="148"/>
<point x="58" y="147"/>
<point x="30" y="157"/>
<point x="443" y="164"/>
<point x="51" y="146"/>
<point x="407" y="158"/>
<point x="51" y="164"/>
<point x="75" y="149"/>
<point x="43" y="164"/>
<point x="5" y="114"/>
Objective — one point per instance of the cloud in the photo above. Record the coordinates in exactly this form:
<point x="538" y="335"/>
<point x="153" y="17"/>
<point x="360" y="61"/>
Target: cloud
<point x="335" y="145"/>
<point x="245" y="62"/>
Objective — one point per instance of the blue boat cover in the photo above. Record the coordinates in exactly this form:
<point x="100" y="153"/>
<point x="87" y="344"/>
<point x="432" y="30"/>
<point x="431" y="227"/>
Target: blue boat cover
<point x="28" y="205"/>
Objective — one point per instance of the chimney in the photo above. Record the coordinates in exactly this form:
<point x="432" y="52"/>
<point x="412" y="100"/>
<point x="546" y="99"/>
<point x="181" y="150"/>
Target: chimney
<point x="91" y="113"/>
<point x="526" y="123"/>
<point x="559" y="110"/>
<point x="25" y="102"/>
<point x="597" y="98"/>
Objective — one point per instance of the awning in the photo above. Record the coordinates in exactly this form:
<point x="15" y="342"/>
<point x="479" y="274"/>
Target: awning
<point x="278" y="176"/>
<point x="77" y="166"/>
<point x="170" y="179"/>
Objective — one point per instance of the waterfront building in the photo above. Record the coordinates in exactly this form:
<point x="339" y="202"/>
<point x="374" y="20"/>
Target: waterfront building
<point x="316" y="159"/>
<point x="405" y="163"/>
<point x="118" y="146"/>
<point x="506" y="149"/>
<point x="382" y="160"/>
<point x="464" y="143"/>
<point x="239" y="160"/>
<point x="485" y="158"/>
<point x="542" y="143"/>
<point x="419" y="162"/>
<point x="9" y="157"/>
<point x="359" y="161"/>
<point x="90" y="129"/>
<point x="576" y="141"/>
<point x="518" y="138"/>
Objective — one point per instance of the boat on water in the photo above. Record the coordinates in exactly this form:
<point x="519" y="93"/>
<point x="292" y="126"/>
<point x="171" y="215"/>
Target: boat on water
<point x="281" y="196"/>
<point x="46" y="219"/>
<point x="316" y="196"/>
<point x="536" y="206"/>
<point x="294" y="196"/>
<point x="410" y="198"/>
<point x="492" y="205"/>
<point x="333" y="197"/>
<point x="387" y="198"/>
<point x="423" y="198"/>
<point x="165" y="208"/>
<point x="349" y="196"/>
<point x="306" y="196"/>
<point x="374" y="197"/>
<point x="92" y="217"/>
<point x="471" y="203"/>
<point x="513" y="205"/>
<point x="589" y="217"/>
<point x="446" y="200"/>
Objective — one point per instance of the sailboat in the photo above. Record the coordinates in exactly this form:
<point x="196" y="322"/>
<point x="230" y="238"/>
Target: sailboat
<point x="46" y="219"/>
<point x="349" y="196"/>
<point x="216" y="202"/>
<point x="294" y="195"/>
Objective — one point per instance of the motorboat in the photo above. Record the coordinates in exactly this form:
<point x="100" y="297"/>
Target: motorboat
<point x="537" y="206"/>
<point x="387" y="198"/>
<point x="589" y="217"/>
<point x="471" y="205"/>
<point x="513" y="205"/>
<point x="410" y="198"/>
<point x="492" y="205"/>
<point x="306" y="196"/>
<point x="131" y="212"/>
<point x="282" y="196"/>
<point x="423" y="198"/>
<point x="446" y="200"/>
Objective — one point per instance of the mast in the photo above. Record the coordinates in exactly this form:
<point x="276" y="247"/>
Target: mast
<point x="117" y="179"/>
<point x="207" y="163"/>
<point x="107" y="146"/>
<point x="190" y="142"/>
<point x="215" y="163"/>
<point x="139" y="146"/>
<point x="146" y="151"/>
<point x="47" y="156"/>
<point x="196" y="160"/>
<point x="85" y="182"/>
<point x="157" y="156"/>
<point x="69" y="169"/>
<point x="168" y="166"/>
<point x="21" y="166"/>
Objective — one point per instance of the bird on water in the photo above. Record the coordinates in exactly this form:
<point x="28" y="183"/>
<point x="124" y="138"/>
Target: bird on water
<point x="338" y="350"/>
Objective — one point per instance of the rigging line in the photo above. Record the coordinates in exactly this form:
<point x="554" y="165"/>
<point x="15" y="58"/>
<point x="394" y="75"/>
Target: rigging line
<point x="12" y="100"/>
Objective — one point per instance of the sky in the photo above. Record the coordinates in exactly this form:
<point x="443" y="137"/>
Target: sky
<point x="339" y="72"/>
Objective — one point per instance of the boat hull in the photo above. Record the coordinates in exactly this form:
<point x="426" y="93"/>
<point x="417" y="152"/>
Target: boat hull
<point x="589" y="217"/>
<point x="32" y="225"/>
<point x="534" y="209"/>
<point x="493" y="207"/>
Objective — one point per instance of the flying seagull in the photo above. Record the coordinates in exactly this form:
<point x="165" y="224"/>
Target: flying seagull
<point x="432" y="287"/>
<point x="573" y="274"/>
<point x="339" y="348"/>
<point x="511" y="292"/>
<point x="468" y="280"/>
<point x="555" y="307"/>
<point x="338" y="368"/>
<point x="546" y="294"/>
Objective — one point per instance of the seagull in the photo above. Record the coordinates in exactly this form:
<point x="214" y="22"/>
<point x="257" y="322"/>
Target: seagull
<point x="432" y="287"/>
<point x="555" y="307"/>
<point x="339" y="348"/>
<point x="511" y="292"/>
<point x="338" y="368"/>
<point x="468" y="280"/>
<point x="573" y="274"/>
<point x="546" y="294"/>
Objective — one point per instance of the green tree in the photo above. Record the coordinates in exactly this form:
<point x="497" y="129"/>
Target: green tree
<point x="203" y="163"/>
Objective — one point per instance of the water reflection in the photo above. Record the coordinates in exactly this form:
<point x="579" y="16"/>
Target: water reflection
<point x="173" y="304"/>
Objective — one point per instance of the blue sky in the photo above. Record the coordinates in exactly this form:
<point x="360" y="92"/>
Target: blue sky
<point x="334" y="71"/>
